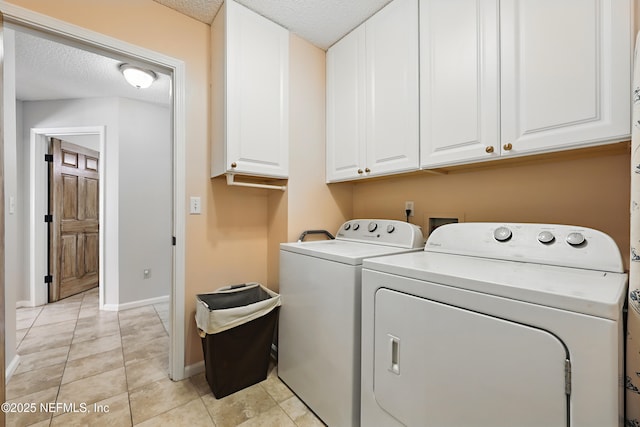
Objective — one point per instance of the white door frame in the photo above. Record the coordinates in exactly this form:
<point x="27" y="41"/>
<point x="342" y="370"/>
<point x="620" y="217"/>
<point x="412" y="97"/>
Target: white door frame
<point x="38" y="142"/>
<point x="29" y="19"/>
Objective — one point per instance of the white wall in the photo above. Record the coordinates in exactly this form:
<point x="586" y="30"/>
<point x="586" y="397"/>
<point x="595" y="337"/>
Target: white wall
<point x="145" y="200"/>
<point x="139" y="235"/>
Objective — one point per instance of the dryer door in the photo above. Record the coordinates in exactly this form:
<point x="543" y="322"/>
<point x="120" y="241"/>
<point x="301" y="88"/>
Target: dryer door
<point x="444" y="366"/>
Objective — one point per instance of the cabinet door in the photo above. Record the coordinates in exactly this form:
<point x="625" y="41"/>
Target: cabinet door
<point x="565" y="73"/>
<point x="345" y="107"/>
<point x="392" y="89"/>
<point x="459" y="81"/>
<point x="257" y="94"/>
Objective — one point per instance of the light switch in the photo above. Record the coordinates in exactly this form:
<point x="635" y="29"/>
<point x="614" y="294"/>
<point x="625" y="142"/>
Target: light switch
<point x="194" y="208"/>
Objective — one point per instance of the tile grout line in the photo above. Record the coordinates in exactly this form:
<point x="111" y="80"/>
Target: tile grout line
<point x="126" y="376"/>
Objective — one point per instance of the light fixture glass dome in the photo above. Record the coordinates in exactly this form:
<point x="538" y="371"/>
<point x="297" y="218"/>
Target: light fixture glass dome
<point x="137" y="77"/>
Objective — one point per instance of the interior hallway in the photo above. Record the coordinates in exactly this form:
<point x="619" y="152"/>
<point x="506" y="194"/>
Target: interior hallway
<point x="71" y="352"/>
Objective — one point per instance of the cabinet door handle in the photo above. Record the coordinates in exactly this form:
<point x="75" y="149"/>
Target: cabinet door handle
<point x="234" y="165"/>
<point x="360" y="172"/>
<point x="367" y="170"/>
<point x="489" y="149"/>
<point x="507" y="146"/>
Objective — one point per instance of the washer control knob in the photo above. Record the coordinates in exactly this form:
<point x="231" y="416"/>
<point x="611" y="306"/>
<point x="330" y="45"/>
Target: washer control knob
<point x="373" y="227"/>
<point x="356" y="226"/>
<point x="502" y="234"/>
<point x="546" y="237"/>
<point x="390" y="228"/>
<point x="575" y="239"/>
<point x="347" y="226"/>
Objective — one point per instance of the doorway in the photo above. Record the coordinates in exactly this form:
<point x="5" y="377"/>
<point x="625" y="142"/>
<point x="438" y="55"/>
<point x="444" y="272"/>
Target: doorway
<point x="91" y="137"/>
<point x="18" y="20"/>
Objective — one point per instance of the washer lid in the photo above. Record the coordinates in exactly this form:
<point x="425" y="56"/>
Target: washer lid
<point x="596" y="293"/>
<point x="343" y="251"/>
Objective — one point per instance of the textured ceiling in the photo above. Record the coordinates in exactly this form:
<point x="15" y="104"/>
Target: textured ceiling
<point x="47" y="70"/>
<point x="321" y="22"/>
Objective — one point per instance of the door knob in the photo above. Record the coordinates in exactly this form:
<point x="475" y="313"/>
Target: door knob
<point x="360" y="172"/>
<point x="489" y="149"/>
<point x="507" y="146"/>
<point x="367" y="170"/>
<point x="234" y="165"/>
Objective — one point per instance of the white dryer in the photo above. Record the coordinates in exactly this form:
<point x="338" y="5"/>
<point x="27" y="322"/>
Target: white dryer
<point x="495" y="325"/>
<point x="319" y="325"/>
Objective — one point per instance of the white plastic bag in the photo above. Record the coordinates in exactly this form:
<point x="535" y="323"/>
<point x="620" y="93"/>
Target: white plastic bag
<point x="213" y="321"/>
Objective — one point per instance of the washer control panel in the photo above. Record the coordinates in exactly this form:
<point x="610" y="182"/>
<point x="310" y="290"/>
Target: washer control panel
<point x="551" y="244"/>
<point x="383" y="232"/>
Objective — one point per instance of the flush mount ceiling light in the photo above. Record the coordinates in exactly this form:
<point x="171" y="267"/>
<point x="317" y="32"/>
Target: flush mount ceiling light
<point x="137" y="77"/>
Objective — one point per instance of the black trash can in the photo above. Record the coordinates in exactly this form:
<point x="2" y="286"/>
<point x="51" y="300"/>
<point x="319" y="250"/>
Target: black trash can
<point x="236" y="324"/>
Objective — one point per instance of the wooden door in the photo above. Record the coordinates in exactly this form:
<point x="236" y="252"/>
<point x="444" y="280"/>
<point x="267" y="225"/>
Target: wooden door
<point x="74" y="242"/>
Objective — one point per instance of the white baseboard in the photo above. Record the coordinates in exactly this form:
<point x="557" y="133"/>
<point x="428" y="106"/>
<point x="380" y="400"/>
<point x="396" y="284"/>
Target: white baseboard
<point x="26" y="303"/>
<point x="194" y="369"/>
<point x="11" y="368"/>
<point x="135" y="304"/>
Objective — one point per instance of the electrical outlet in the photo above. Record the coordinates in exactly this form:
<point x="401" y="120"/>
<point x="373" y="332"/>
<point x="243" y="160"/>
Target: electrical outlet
<point x="408" y="206"/>
<point x="147" y="273"/>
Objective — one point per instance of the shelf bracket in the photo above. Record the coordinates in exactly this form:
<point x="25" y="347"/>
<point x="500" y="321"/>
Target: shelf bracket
<point x="231" y="181"/>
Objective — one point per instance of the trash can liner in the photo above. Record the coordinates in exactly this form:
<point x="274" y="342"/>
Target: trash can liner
<point x="241" y="306"/>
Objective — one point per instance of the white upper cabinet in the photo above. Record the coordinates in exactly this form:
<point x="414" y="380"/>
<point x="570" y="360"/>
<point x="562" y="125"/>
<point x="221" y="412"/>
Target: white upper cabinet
<point x="250" y="94"/>
<point x="346" y="98"/>
<point x="459" y="81"/>
<point x="556" y="75"/>
<point x="372" y="96"/>
<point x="566" y="73"/>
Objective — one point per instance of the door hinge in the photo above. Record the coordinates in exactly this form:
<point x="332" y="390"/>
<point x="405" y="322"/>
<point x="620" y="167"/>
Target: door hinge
<point x="48" y="279"/>
<point x="48" y="218"/>
<point x="567" y="377"/>
<point x="48" y="157"/>
<point x="173" y="240"/>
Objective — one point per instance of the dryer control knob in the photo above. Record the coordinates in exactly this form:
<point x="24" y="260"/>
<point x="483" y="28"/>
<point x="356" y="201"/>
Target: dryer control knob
<point x="546" y="237"/>
<point x="575" y="239"/>
<point x="502" y="234"/>
<point x="390" y="228"/>
<point x="347" y="226"/>
<point x="373" y="226"/>
<point x="356" y="226"/>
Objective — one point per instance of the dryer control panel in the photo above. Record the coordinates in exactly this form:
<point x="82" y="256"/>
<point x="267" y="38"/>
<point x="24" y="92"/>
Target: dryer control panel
<point x="550" y="244"/>
<point x="386" y="232"/>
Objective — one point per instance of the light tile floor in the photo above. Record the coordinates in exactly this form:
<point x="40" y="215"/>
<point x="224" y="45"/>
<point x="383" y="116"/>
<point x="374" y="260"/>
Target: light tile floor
<point x="100" y="368"/>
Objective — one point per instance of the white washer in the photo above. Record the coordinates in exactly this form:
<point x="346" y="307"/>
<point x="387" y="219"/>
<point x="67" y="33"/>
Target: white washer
<point x="495" y="325"/>
<point x="319" y="325"/>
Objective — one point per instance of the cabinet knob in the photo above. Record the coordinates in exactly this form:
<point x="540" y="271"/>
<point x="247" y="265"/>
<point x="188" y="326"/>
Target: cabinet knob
<point x="367" y="170"/>
<point x="360" y="172"/>
<point x="234" y="165"/>
<point x="489" y="149"/>
<point x="507" y="146"/>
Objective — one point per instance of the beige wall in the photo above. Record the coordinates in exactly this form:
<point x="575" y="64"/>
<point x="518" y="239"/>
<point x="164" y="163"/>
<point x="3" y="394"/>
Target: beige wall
<point x="590" y="190"/>
<point x="308" y="202"/>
